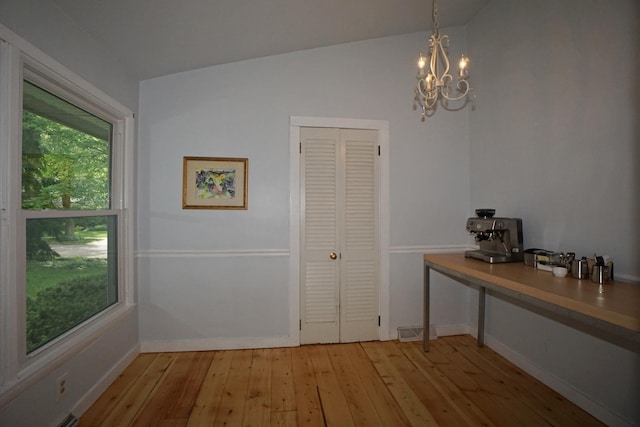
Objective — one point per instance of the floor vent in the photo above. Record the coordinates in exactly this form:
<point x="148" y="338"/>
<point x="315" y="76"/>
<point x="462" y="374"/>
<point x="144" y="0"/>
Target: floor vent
<point x="69" y="421"/>
<point x="415" y="333"/>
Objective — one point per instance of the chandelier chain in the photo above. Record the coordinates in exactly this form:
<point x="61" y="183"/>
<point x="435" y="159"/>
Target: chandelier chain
<point x="436" y="18"/>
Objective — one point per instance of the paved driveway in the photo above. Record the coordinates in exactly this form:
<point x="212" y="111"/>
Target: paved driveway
<point x="97" y="249"/>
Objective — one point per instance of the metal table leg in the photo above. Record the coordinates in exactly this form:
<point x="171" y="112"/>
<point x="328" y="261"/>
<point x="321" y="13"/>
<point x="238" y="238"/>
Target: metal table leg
<point x="425" y="331"/>
<point x="481" y="299"/>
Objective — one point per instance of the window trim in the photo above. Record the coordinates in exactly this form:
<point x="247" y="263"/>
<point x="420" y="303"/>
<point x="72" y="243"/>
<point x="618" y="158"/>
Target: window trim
<point x="20" y="59"/>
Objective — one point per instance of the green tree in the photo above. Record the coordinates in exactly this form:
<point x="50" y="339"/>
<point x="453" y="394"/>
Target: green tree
<point x="75" y="164"/>
<point x="33" y="183"/>
<point x="62" y="168"/>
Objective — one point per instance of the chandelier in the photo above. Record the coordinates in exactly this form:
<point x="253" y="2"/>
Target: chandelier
<point x="435" y="83"/>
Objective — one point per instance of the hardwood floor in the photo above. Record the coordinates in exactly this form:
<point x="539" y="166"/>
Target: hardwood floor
<point x="363" y="384"/>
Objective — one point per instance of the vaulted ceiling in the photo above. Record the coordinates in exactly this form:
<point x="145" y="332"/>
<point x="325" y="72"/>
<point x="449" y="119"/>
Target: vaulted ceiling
<point x="158" y="37"/>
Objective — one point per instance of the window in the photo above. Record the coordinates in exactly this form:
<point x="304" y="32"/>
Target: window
<point x="66" y="197"/>
<point x="71" y="272"/>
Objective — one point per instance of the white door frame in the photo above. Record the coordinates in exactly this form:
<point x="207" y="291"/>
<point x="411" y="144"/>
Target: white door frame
<point x="382" y="126"/>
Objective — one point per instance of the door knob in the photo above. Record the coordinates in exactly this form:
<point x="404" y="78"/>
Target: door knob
<point x="333" y="255"/>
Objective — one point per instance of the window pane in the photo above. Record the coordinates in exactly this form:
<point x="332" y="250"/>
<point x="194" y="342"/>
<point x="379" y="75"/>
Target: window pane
<point x="69" y="280"/>
<point x="66" y="154"/>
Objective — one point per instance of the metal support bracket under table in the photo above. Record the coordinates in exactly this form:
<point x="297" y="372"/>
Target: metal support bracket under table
<point x="426" y="314"/>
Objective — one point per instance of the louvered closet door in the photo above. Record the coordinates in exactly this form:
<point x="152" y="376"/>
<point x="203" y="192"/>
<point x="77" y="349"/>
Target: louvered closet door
<point x="359" y="236"/>
<point x="339" y="295"/>
<point x="320" y="297"/>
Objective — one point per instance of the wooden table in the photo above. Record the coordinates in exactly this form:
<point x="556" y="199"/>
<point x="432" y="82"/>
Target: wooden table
<point x="610" y="311"/>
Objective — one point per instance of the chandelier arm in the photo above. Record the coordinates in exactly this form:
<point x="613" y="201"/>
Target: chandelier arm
<point x="429" y="100"/>
<point x="439" y="51"/>
<point x="422" y="87"/>
<point x="462" y="85"/>
<point x="453" y="98"/>
<point x="429" y="96"/>
<point x="427" y="103"/>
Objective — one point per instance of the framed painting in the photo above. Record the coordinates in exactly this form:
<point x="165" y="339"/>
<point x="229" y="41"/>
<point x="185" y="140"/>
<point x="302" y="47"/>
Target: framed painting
<point x="214" y="183"/>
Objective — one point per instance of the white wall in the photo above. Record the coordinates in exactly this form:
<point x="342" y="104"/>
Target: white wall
<point x="554" y="140"/>
<point x="44" y="26"/>
<point x="194" y="289"/>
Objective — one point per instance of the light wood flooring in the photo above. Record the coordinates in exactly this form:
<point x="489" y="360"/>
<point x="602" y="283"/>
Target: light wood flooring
<point x="364" y="384"/>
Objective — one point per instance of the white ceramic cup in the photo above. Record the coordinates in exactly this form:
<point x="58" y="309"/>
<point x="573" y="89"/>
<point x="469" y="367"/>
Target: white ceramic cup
<point x="559" y="271"/>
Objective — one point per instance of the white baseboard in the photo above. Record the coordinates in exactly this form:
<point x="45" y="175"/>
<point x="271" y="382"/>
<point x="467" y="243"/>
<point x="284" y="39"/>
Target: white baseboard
<point x="227" y="343"/>
<point x="96" y="391"/>
<point x="208" y="344"/>
<point x="449" y="330"/>
<point x="560" y="386"/>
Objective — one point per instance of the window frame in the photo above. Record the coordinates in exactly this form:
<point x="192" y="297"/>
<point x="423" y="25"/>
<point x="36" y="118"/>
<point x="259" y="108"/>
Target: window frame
<point x="19" y="60"/>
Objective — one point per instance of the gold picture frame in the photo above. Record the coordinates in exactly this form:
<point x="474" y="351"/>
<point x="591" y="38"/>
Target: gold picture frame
<point x="214" y="183"/>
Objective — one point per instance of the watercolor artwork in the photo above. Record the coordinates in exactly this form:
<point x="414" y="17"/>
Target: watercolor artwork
<point x="214" y="183"/>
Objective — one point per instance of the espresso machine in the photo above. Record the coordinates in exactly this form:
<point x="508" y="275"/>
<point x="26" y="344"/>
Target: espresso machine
<point x="500" y="239"/>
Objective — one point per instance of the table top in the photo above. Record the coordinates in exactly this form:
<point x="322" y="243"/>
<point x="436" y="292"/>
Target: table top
<point x="614" y="301"/>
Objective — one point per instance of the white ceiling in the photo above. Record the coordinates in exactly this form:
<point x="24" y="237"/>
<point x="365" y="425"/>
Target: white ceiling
<point x="158" y="37"/>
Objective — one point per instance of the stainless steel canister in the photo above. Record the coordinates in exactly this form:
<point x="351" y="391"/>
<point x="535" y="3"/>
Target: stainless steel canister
<point x="600" y="273"/>
<point x="580" y="268"/>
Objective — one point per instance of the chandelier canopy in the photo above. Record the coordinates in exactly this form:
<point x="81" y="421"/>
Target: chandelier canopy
<point x="435" y="83"/>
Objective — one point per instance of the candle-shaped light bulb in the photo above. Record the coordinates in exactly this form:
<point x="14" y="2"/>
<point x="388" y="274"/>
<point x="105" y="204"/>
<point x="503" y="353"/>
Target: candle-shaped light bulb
<point x="464" y="64"/>
<point x="422" y="61"/>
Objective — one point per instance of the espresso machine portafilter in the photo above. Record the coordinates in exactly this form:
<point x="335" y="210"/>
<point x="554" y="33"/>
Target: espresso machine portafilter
<point x="500" y="239"/>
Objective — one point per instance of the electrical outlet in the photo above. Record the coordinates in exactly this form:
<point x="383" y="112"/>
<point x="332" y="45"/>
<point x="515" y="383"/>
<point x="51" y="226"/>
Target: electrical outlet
<point x="61" y="387"/>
